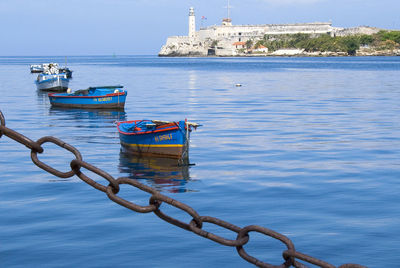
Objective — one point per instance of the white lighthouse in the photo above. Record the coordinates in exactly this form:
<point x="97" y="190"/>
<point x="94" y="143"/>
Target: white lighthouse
<point x="192" y="23"/>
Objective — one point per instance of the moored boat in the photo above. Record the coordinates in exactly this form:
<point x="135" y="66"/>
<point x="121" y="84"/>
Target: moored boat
<point x="157" y="138"/>
<point x="110" y="97"/>
<point x="52" y="82"/>
<point x="36" y="68"/>
<point x="45" y="67"/>
<point x="67" y="71"/>
<point x="51" y="79"/>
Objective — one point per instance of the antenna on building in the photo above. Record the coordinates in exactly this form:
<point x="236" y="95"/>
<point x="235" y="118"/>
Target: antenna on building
<point x="229" y="9"/>
<point x="227" y="21"/>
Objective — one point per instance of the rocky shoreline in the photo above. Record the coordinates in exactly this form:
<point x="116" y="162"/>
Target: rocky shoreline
<point x="286" y="53"/>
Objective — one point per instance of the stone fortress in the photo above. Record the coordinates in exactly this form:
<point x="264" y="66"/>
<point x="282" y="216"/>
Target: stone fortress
<point x="229" y="40"/>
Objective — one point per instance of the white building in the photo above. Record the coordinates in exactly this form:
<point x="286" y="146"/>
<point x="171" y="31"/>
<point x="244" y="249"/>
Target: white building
<point x="219" y="39"/>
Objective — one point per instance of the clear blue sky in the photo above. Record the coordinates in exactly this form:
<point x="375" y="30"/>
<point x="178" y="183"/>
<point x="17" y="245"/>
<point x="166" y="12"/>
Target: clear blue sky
<point x="140" y="27"/>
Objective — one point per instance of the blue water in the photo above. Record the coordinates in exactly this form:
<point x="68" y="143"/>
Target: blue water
<point x="308" y="147"/>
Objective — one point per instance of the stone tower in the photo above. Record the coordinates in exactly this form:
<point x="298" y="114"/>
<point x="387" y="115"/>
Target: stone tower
<point x="192" y="23"/>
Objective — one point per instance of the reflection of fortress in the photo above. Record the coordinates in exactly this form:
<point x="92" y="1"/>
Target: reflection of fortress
<point x="226" y="39"/>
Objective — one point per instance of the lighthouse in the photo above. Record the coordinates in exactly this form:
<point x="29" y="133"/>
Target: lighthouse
<point x="192" y="23"/>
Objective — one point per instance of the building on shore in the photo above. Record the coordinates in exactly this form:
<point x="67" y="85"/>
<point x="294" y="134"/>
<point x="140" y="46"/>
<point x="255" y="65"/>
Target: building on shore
<point x="228" y="39"/>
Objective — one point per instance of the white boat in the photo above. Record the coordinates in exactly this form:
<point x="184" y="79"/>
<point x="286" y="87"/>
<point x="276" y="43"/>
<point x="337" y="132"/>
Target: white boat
<point x="52" y="82"/>
<point x="40" y="68"/>
<point x="51" y="79"/>
<point x="36" y="68"/>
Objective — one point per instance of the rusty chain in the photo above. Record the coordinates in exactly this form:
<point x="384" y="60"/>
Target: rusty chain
<point x="290" y="256"/>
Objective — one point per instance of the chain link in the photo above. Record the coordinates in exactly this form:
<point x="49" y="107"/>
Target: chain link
<point x="30" y="144"/>
<point x="162" y="198"/>
<point x="301" y="256"/>
<point x="2" y="123"/>
<point x="61" y="144"/>
<point x="216" y="238"/>
<point x="254" y="228"/>
<point x="76" y="165"/>
<point x="290" y="255"/>
<point x="127" y="204"/>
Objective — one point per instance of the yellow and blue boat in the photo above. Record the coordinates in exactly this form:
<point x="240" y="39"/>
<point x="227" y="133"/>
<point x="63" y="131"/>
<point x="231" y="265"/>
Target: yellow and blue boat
<point x="109" y="97"/>
<point x="156" y="138"/>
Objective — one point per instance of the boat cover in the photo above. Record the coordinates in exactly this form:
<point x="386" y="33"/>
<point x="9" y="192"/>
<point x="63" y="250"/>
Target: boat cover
<point x="138" y="126"/>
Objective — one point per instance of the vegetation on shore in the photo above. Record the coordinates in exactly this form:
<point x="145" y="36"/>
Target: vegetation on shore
<point x="383" y="40"/>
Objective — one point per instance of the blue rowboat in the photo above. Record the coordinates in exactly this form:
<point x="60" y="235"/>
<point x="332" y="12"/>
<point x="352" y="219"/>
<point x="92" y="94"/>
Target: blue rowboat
<point x="93" y="97"/>
<point x="52" y="82"/>
<point x="156" y="138"/>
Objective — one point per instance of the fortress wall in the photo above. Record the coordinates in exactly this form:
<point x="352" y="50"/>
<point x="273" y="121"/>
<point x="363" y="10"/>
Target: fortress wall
<point x="357" y="30"/>
<point x="245" y="32"/>
<point x="227" y="35"/>
<point x="289" y="29"/>
<point x="207" y="33"/>
<point x="183" y="46"/>
<point x="172" y="40"/>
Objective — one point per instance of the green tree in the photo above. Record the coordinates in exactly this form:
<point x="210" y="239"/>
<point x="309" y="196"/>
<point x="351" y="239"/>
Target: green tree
<point x="214" y="43"/>
<point x="366" y="39"/>
<point x="259" y="43"/>
<point x="389" y="35"/>
<point x="388" y="44"/>
<point x="351" y="44"/>
<point x="249" y="44"/>
<point x="325" y="42"/>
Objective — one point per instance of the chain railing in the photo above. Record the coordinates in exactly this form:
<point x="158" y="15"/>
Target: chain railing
<point x="290" y="256"/>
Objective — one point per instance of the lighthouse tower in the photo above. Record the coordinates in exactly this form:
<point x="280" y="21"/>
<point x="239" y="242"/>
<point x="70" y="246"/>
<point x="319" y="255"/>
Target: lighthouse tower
<point x="192" y="23"/>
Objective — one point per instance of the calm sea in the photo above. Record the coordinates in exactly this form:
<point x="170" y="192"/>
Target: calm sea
<point x="308" y="147"/>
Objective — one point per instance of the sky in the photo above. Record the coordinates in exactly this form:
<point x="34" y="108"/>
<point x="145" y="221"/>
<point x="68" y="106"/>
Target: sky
<point x="141" y="27"/>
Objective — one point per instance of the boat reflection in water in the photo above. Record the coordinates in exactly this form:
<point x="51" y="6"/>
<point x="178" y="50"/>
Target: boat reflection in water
<point x="88" y="126"/>
<point x="163" y="174"/>
<point x="110" y="115"/>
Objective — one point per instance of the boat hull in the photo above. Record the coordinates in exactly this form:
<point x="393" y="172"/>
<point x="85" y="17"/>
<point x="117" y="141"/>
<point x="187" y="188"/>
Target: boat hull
<point x="165" y="141"/>
<point x="111" y="101"/>
<point x="171" y="151"/>
<point x="53" y="84"/>
<point x="36" y="70"/>
<point x="67" y="71"/>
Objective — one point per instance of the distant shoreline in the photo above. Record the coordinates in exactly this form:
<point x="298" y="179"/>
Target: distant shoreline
<point x="300" y="55"/>
<point x="310" y="39"/>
